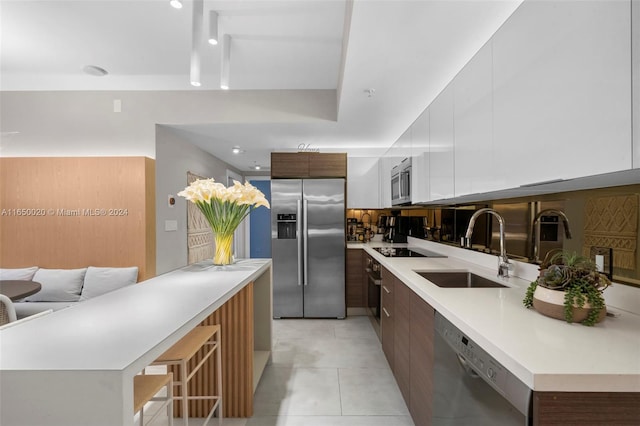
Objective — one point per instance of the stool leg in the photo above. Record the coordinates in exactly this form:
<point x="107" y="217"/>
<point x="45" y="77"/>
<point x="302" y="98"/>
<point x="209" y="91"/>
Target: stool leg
<point x="219" y="384"/>
<point x="170" y="405"/>
<point x="185" y="399"/>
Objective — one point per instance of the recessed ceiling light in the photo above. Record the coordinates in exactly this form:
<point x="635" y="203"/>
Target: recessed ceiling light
<point x="176" y="4"/>
<point x="257" y="167"/>
<point x="235" y="150"/>
<point x="94" y="70"/>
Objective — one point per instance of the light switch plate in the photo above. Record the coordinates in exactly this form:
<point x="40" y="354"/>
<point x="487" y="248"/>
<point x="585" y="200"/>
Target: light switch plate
<point x="170" y="225"/>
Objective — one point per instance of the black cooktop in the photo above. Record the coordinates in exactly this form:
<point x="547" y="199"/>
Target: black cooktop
<point x="398" y="252"/>
<point x="404" y="252"/>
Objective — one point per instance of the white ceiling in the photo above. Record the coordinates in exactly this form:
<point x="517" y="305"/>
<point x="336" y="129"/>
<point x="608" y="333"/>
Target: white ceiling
<point x="406" y="50"/>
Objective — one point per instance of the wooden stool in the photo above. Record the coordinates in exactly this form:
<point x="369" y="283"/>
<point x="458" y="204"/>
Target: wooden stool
<point x="183" y="351"/>
<point x="145" y="389"/>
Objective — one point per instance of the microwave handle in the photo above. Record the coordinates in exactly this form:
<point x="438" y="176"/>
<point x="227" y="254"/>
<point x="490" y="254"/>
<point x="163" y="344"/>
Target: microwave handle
<point x="404" y="175"/>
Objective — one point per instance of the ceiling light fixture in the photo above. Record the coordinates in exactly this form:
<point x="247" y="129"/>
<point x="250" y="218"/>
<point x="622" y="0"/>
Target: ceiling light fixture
<point x="235" y="150"/>
<point x="177" y="4"/>
<point x="196" y="41"/>
<point x="256" y="166"/>
<point x="213" y="27"/>
<point x="94" y="70"/>
<point x="226" y="59"/>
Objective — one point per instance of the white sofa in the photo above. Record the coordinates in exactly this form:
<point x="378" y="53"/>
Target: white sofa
<point x="65" y="287"/>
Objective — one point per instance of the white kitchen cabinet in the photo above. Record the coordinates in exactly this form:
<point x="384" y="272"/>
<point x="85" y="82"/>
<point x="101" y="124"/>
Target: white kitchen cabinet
<point x="363" y="183"/>
<point x="420" y="188"/>
<point x="635" y="56"/>
<point x="441" y="142"/>
<point x="474" y="161"/>
<point x="385" y="164"/>
<point x="562" y="91"/>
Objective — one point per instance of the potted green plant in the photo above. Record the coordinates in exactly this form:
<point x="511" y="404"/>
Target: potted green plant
<point x="569" y="287"/>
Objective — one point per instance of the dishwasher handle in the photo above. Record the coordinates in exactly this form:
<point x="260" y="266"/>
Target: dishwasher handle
<point x="466" y="367"/>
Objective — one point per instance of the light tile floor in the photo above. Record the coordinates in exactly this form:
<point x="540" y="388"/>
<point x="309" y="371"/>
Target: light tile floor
<point x="324" y="373"/>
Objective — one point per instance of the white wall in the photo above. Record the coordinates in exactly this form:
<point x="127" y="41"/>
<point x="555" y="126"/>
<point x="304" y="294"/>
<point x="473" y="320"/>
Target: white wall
<point x="174" y="158"/>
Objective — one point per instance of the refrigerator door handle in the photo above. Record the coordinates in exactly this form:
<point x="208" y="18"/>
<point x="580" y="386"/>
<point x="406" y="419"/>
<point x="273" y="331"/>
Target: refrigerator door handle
<point x="299" y="237"/>
<point x="305" y="237"/>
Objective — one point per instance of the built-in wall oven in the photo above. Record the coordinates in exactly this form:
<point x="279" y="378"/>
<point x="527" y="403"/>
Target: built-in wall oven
<point x="401" y="183"/>
<point x="373" y="287"/>
<point x="472" y="388"/>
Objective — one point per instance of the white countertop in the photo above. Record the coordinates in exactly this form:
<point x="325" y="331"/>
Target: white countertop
<point x="127" y="328"/>
<point x="545" y="353"/>
<point x="78" y="363"/>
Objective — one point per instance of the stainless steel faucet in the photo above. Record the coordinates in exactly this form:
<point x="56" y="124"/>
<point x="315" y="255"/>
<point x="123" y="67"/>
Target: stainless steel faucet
<point x="503" y="265"/>
<point x="535" y="230"/>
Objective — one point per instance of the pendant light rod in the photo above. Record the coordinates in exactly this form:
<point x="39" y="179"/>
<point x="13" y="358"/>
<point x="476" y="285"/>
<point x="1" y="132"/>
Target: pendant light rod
<point x="213" y="27"/>
<point x="196" y="41"/>
<point x="225" y="63"/>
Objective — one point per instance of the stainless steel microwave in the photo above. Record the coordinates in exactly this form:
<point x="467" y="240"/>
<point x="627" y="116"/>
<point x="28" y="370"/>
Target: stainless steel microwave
<point x="401" y="183"/>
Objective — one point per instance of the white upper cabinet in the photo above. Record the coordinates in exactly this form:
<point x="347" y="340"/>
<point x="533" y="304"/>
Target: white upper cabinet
<point x="635" y="56"/>
<point x="385" y="164"/>
<point x="362" y="183"/>
<point x="420" y="188"/>
<point x="562" y="91"/>
<point x="441" y="173"/>
<point x="474" y="159"/>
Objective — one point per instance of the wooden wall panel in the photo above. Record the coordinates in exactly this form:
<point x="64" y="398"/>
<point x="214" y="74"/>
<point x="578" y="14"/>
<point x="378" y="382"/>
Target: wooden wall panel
<point x="78" y="211"/>
<point x="236" y="328"/>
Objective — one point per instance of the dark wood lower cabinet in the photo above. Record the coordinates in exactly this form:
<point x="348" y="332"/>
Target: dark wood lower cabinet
<point x="586" y="408"/>
<point x="407" y="341"/>
<point x="355" y="283"/>
<point x="421" y="359"/>
<point x="387" y="316"/>
<point x="402" y="337"/>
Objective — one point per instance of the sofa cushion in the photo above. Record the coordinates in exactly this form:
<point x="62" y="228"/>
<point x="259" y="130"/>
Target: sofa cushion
<point x="58" y="285"/>
<point x="98" y="281"/>
<point x="23" y="274"/>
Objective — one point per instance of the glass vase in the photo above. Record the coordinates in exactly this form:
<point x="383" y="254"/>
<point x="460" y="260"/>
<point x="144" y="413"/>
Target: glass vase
<point x="223" y="254"/>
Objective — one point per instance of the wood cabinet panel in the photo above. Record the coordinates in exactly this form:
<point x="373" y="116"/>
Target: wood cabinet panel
<point x="401" y="336"/>
<point x="421" y="360"/>
<point x="355" y="283"/>
<point x="332" y="165"/>
<point x="386" y="316"/>
<point x="289" y="164"/>
<point x="308" y="164"/>
<point x="581" y="408"/>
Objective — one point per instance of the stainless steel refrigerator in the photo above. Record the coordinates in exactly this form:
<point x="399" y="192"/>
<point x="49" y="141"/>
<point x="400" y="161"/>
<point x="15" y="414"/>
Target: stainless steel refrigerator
<point x="308" y="248"/>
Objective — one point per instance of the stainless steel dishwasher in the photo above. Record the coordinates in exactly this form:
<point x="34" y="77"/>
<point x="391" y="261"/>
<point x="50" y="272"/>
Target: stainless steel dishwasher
<point x="470" y="387"/>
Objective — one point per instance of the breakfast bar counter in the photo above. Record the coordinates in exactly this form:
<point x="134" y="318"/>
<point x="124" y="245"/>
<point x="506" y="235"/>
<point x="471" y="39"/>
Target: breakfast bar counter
<point x="76" y="366"/>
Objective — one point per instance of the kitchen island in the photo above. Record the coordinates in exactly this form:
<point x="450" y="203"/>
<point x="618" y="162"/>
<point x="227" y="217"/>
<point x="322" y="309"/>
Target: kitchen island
<point x="76" y="366"/>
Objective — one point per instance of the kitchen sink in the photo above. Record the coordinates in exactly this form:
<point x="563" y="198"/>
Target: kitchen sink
<point x="458" y="279"/>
